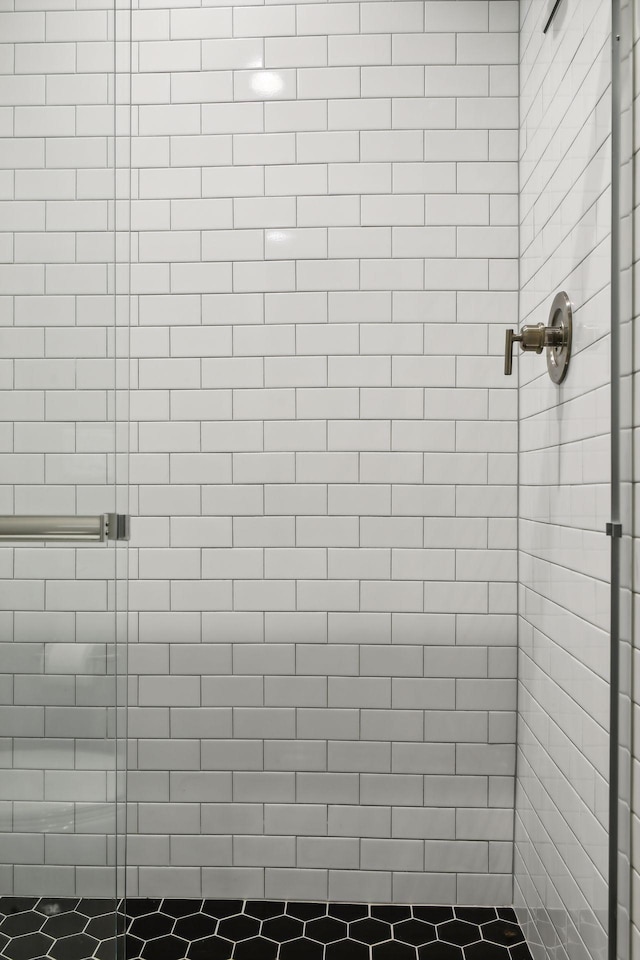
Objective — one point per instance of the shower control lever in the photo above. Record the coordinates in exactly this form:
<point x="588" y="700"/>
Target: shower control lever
<point x="534" y="338"/>
<point x="556" y="338"/>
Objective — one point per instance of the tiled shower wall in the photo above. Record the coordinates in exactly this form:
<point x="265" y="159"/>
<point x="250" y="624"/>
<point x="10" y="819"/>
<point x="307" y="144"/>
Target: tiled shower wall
<point x="323" y="591"/>
<point x="565" y="223"/>
<point x="323" y="594"/>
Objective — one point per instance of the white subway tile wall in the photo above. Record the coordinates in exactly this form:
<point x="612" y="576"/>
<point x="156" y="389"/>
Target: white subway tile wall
<point x="324" y="448"/>
<point x="56" y="447"/>
<point x="561" y="867"/>
<point x="324" y="568"/>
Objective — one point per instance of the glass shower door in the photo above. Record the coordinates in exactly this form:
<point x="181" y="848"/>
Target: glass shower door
<point x="563" y="876"/>
<point x="62" y="481"/>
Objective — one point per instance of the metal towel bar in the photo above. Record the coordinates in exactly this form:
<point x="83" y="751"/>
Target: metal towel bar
<point x="104" y="526"/>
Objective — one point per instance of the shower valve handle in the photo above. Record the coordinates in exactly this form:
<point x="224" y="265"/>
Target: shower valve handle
<point x="510" y="339"/>
<point x="533" y="338"/>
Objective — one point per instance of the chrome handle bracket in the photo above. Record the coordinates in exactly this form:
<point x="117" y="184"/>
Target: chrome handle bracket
<point x="117" y="526"/>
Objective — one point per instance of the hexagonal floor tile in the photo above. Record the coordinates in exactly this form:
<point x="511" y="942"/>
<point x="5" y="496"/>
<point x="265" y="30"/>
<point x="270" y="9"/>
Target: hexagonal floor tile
<point x="390" y="912"/>
<point x="486" y="951"/>
<point x="440" y="951"/>
<point x="348" y="911"/>
<point x="165" y="948"/>
<point x="77" y="947"/>
<point x="16" y="904"/>
<point x="370" y="931"/>
<point x="179" y="908"/>
<point x="222" y="908"/>
<point x="173" y="929"/>
<point x="96" y="908"/>
<point x="135" y="907"/>
<point x="239" y="928"/>
<point x="195" y="927"/>
<point x="151" y="926"/>
<point x="307" y="911"/>
<point x="103" y="928"/>
<point x="433" y="914"/>
<point x="107" y="950"/>
<point x="18" y="923"/>
<point x="132" y="946"/>
<point x="346" y="950"/>
<point x="65" y="924"/>
<point x="520" y="952"/>
<point x="459" y="932"/>
<point x="499" y="931"/>
<point x="210" y="948"/>
<point x="326" y="930"/>
<point x="28" y="946"/>
<point x="264" y="909"/>
<point x="53" y="906"/>
<point x="392" y="950"/>
<point x="415" y="932"/>
<point x="257" y="948"/>
<point x="282" y="929"/>
<point x="476" y="914"/>
<point x="307" y="949"/>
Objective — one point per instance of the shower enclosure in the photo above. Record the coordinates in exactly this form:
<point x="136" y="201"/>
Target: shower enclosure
<point x="64" y="334"/>
<point x="360" y="681"/>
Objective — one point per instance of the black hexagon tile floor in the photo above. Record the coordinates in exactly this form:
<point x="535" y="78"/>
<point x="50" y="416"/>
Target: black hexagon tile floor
<point x="82" y="929"/>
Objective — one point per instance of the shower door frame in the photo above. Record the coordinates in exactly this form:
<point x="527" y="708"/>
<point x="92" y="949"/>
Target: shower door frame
<point x="620" y="529"/>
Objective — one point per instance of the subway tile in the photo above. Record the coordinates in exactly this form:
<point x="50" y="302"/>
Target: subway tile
<point x="467" y="15"/>
<point x="393" y="81"/>
<point x="296" y="51"/>
<point x="374" y="885"/>
<point x="330" y="82"/>
<point x="369" y="114"/>
<point x="274" y="20"/>
<point x="319" y="18"/>
<point x="295" y="116"/>
<point x="199" y="24"/>
<point x="493" y="47"/>
<point x="329" y="852"/>
<point x="225" y="118"/>
<point x="284" y="180"/>
<point x="360" y="50"/>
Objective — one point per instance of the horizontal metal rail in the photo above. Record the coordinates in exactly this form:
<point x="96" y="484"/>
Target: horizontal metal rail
<point x="104" y="526"/>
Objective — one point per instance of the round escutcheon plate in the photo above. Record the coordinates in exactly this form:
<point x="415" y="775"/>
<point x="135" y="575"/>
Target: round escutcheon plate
<point x="558" y="355"/>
